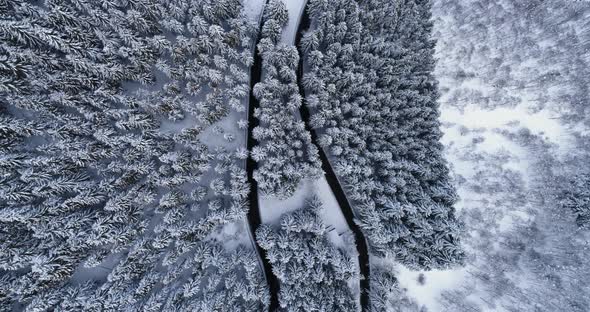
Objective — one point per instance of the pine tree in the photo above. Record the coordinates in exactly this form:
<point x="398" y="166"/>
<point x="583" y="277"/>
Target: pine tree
<point x="576" y="197"/>
<point x="285" y="154"/>
<point x="313" y="274"/>
<point x="373" y="96"/>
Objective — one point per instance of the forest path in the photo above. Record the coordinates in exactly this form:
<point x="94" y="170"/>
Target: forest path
<point x="254" y="219"/>
<point x="332" y="179"/>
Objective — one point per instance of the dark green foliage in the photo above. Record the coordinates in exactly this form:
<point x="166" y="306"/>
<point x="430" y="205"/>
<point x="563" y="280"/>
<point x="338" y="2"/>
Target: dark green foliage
<point x="374" y="98"/>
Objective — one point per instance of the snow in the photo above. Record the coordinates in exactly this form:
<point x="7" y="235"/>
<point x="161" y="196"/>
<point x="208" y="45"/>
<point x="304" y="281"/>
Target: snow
<point x="331" y="213"/>
<point x="503" y="117"/>
<point x="231" y="235"/>
<point x="459" y="145"/>
<point x="470" y="136"/>
<point x="253" y="9"/>
<point x="98" y="273"/>
<point x="435" y="282"/>
<point x="229" y="125"/>
<point x="271" y="208"/>
<point x="295" y="8"/>
<point x="341" y="236"/>
<point x="475" y="135"/>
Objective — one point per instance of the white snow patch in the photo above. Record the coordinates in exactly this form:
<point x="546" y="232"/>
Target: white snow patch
<point x="229" y="126"/>
<point x="331" y="213"/>
<point x="538" y="123"/>
<point x="459" y="148"/>
<point x="295" y="8"/>
<point x="231" y="235"/>
<point x="436" y="282"/>
<point x="272" y="208"/>
<point x="340" y="235"/>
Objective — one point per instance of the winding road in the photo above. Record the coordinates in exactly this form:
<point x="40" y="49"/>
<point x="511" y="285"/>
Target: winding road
<point x="254" y="219"/>
<point x="335" y="186"/>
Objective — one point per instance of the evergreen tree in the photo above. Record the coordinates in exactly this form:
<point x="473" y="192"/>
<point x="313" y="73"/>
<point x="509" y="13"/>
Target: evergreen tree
<point x="373" y="97"/>
<point x="313" y="274"/>
<point x="285" y="154"/>
<point x="95" y="177"/>
<point x="576" y="197"/>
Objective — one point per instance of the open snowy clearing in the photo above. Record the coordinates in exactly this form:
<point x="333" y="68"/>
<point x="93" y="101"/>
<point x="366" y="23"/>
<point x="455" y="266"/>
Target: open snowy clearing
<point x="271" y="209"/>
<point x="434" y="283"/>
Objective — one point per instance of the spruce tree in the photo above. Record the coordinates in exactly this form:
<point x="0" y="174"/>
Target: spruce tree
<point x="373" y="98"/>
<point x="285" y="153"/>
<point x="106" y="188"/>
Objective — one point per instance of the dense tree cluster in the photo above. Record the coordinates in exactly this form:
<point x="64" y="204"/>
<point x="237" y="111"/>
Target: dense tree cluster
<point x="93" y="177"/>
<point x="576" y="198"/>
<point x="212" y="279"/>
<point x="313" y="274"/>
<point x="285" y="154"/>
<point x="374" y="99"/>
<point x="546" y="70"/>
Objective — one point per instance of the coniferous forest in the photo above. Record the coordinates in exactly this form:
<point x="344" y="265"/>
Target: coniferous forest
<point x="294" y="155"/>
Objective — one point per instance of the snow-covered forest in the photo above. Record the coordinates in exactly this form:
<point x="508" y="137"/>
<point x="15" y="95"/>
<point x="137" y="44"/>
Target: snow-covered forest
<point x="294" y="155"/>
<point x="514" y="106"/>
<point x="123" y="184"/>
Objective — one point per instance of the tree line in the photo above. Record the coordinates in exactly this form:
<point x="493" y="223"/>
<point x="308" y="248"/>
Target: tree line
<point x="373" y="96"/>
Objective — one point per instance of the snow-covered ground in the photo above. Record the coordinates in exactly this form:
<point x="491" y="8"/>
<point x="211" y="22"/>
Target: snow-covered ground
<point x="271" y="209"/>
<point x="477" y="137"/>
<point x="485" y="142"/>
<point x="542" y="122"/>
<point x="232" y="235"/>
<point x="253" y="8"/>
<point x="468" y="139"/>
<point x="295" y="8"/>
